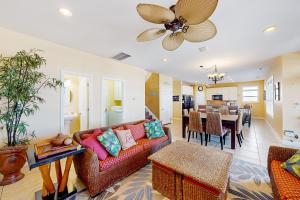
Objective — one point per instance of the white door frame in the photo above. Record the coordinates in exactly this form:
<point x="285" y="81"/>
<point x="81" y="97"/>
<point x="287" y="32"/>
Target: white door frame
<point x="90" y="92"/>
<point x="102" y="97"/>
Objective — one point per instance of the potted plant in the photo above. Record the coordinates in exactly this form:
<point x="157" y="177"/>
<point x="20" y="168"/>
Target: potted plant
<point x="20" y="84"/>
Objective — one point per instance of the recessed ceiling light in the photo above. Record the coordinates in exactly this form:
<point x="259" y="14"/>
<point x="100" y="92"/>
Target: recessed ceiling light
<point x="270" y="29"/>
<point x="202" y="49"/>
<point x="65" y="12"/>
<point x="165" y="59"/>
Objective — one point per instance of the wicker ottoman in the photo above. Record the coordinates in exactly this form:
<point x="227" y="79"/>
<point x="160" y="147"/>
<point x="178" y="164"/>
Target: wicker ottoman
<point x="185" y="171"/>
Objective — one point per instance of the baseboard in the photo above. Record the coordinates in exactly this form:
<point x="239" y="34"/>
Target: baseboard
<point x="278" y="134"/>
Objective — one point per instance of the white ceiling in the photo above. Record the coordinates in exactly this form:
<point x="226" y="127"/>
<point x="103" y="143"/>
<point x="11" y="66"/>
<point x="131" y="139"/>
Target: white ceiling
<point x="106" y="28"/>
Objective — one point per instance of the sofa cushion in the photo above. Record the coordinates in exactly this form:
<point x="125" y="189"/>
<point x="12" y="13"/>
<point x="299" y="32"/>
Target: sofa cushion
<point x="126" y="139"/>
<point x="123" y="155"/>
<point x="154" y="129"/>
<point x="292" y="165"/>
<point x="287" y="184"/>
<point x="110" y="142"/>
<point x="148" y="143"/>
<point x="86" y="135"/>
<point x="93" y="144"/>
<point x="137" y="130"/>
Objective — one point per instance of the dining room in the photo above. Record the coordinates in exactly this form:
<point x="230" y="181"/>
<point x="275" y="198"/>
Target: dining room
<point x="237" y="118"/>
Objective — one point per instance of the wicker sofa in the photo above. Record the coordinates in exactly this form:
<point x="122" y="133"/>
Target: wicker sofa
<point x="284" y="185"/>
<point x="91" y="171"/>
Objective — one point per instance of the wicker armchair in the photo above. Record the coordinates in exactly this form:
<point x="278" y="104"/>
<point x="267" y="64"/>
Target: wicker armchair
<point x="281" y="154"/>
<point x="87" y="165"/>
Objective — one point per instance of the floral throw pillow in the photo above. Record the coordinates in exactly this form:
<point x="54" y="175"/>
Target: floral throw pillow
<point x="292" y="165"/>
<point x="154" y="130"/>
<point x="110" y="142"/>
<point x="126" y="139"/>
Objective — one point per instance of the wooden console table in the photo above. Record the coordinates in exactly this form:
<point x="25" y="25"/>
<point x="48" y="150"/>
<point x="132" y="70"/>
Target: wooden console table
<point x="50" y="191"/>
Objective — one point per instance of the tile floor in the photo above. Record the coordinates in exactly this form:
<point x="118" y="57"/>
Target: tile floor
<point x="255" y="146"/>
<point x="254" y="149"/>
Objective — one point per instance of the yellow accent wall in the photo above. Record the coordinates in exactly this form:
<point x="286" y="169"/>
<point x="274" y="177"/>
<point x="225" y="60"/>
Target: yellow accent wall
<point x="258" y="110"/>
<point x="152" y="94"/>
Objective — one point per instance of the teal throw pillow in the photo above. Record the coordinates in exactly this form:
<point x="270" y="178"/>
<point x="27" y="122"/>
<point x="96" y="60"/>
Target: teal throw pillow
<point x="292" y="165"/>
<point x="110" y="142"/>
<point x="154" y="130"/>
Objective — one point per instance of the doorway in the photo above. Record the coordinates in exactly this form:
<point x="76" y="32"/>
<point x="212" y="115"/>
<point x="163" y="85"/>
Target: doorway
<point x="112" y="102"/>
<point x="76" y="103"/>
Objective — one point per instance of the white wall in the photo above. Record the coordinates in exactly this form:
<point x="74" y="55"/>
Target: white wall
<point x="291" y="91"/>
<point x="47" y="121"/>
<point x="166" y="98"/>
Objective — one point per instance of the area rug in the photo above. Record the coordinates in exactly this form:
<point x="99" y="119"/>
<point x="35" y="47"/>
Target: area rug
<point x="247" y="181"/>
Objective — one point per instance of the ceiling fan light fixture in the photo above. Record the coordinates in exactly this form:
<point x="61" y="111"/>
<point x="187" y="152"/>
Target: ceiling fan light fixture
<point x="65" y="12"/>
<point x="270" y="29"/>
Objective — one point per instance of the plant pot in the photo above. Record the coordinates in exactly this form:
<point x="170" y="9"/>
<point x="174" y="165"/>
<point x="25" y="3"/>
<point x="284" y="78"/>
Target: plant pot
<point x="12" y="159"/>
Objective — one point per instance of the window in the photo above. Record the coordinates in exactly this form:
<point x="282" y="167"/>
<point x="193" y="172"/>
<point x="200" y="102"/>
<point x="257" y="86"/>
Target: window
<point x="250" y="94"/>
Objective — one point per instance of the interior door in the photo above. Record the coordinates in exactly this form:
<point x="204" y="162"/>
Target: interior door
<point x="83" y="104"/>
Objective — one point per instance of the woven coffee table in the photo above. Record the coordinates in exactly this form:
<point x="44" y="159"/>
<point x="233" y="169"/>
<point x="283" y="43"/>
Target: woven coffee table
<point x="190" y="171"/>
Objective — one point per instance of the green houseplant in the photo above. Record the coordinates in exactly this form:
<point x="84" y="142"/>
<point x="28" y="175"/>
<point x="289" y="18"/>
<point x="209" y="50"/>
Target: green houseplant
<point x="20" y="83"/>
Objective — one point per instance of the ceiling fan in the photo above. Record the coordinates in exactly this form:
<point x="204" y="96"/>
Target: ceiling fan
<point x="187" y="20"/>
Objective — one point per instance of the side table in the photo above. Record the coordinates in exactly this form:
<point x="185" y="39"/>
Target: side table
<point x="51" y="191"/>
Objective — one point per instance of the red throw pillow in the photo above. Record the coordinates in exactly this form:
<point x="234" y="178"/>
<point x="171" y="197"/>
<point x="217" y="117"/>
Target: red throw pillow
<point x="137" y="130"/>
<point x="93" y="144"/>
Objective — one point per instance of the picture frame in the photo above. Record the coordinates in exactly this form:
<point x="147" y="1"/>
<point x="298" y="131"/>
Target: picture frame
<point x="277" y="91"/>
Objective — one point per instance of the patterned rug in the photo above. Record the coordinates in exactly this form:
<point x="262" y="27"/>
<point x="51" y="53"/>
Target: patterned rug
<point x="247" y="181"/>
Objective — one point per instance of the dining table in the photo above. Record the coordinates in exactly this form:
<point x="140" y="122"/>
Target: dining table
<point x="228" y="121"/>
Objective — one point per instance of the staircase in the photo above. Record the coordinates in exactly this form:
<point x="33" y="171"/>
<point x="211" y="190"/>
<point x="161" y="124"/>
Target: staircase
<point x="148" y="114"/>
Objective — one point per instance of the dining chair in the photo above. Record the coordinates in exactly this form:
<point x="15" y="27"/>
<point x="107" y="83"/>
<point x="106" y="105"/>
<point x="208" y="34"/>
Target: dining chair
<point x="247" y="114"/>
<point x="202" y="108"/>
<point x="214" y="127"/>
<point x="239" y="133"/>
<point x="224" y="110"/>
<point x="185" y="112"/>
<point x="233" y="109"/>
<point x="195" y="125"/>
<point x="191" y="109"/>
<point x="209" y="109"/>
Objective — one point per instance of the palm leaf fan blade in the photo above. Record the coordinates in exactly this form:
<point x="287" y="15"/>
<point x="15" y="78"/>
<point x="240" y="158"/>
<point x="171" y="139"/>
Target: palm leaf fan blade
<point x="201" y="32"/>
<point x="195" y="11"/>
<point x="151" y="34"/>
<point x="155" y="14"/>
<point x="173" y="41"/>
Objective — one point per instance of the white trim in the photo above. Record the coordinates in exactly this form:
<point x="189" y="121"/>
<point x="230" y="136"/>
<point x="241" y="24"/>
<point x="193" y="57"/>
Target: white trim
<point x="89" y="77"/>
<point x="102" y="96"/>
